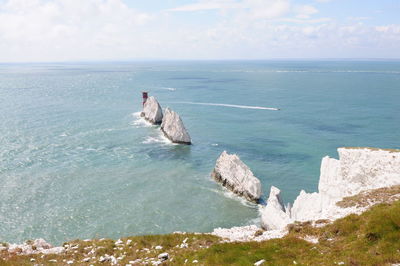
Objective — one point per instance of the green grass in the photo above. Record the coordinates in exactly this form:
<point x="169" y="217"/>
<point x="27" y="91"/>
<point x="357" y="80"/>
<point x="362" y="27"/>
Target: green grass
<point x="372" y="238"/>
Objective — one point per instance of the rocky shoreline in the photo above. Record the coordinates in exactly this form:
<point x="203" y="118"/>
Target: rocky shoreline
<point x="366" y="171"/>
<point x="359" y="171"/>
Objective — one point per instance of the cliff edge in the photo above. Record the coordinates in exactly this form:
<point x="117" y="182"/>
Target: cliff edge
<point x="357" y="170"/>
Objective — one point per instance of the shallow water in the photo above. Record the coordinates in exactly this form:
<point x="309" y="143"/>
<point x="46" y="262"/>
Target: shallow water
<point x="76" y="160"/>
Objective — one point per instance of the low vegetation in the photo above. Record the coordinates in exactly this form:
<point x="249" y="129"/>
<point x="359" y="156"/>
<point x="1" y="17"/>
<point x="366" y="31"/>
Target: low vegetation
<point x="372" y="238"/>
<point x="365" y="198"/>
<point x="372" y="149"/>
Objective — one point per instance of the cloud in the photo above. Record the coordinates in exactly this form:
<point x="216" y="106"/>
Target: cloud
<point x="253" y="8"/>
<point x="267" y="9"/>
<point x="206" y="5"/>
<point x="67" y="30"/>
<point x="304" y="12"/>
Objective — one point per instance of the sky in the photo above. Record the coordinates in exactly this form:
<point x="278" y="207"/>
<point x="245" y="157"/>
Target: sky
<point x="96" y="30"/>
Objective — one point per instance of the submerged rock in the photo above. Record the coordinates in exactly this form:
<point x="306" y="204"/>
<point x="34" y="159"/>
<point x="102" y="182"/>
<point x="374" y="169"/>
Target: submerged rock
<point x="173" y="128"/>
<point x="232" y="173"/>
<point x="152" y="111"/>
<point x="357" y="170"/>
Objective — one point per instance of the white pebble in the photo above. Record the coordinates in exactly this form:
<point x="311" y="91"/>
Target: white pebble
<point x="258" y="263"/>
<point x="163" y="256"/>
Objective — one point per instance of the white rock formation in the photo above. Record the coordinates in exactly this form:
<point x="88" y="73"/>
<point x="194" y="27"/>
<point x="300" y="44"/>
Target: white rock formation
<point x="152" y="111"/>
<point x="274" y="215"/>
<point x="35" y="247"/>
<point x="247" y="233"/>
<point x="358" y="169"/>
<point x="232" y="173"/>
<point x="173" y="128"/>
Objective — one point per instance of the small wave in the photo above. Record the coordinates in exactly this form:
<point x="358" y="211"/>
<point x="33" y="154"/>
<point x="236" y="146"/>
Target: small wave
<point x="159" y="139"/>
<point x="140" y="121"/>
<point x="243" y="201"/>
<point x="233" y="106"/>
<point x="169" y="89"/>
<point x="313" y="71"/>
<point x="229" y="194"/>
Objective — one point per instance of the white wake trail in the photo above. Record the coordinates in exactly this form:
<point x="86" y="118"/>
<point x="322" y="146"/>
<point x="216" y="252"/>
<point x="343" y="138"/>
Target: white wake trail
<point x="233" y="105"/>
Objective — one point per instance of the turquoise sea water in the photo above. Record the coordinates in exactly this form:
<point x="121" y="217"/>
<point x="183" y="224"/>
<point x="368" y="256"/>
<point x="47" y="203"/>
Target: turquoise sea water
<point x="77" y="162"/>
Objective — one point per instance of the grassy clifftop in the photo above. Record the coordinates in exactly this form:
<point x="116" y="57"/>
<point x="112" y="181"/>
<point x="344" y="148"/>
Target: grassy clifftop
<point x="372" y="238"/>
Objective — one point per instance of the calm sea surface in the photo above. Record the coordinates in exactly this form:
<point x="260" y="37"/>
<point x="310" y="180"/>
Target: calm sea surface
<point x="76" y="161"/>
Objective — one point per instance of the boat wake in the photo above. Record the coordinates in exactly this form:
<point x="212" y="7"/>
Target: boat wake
<point x="232" y="105"/>
<point x="169" y="89"/>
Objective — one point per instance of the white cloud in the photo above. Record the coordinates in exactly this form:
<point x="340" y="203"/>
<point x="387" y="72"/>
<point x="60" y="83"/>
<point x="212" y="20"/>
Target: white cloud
<point x="206" y="5"/>
<point x="305" y="12"/>
<point x="58" y="30"/>
<point x="253" y="8"/>
<point x="32" y="30"/>
<point x="267" y="9"/>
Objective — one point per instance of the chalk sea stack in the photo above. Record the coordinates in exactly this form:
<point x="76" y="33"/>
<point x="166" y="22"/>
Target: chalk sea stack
<point x="173" y="128"/>
<point x="276" y="217"/>
<point x="357" y="170"/>
<point x="152" y="111"/>
<point x="233" y="174"/>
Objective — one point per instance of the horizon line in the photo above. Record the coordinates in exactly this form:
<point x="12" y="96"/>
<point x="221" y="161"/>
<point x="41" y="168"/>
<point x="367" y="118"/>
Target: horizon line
<point x="202" y="60"/>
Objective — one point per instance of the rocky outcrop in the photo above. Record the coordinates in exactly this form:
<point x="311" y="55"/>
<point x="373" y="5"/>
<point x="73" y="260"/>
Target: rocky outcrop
<point x="358" y="169"/>
<point x="274" y="215"/>
<point x="152" y="111"/>
<point x="247" y="233"/>
<point x="232" y="173"/>
<point x="32" y="247"/>
<point x="173" y="128"/>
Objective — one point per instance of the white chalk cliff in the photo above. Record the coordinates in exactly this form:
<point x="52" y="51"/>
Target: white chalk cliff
<point x="173" y="128"/>
<point x="358" y="169"/>
<point x="152" y="111"/>
<point x="232" y="173"/>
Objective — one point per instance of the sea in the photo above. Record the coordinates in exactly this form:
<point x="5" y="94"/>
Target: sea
<point x="78" y="161"/>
